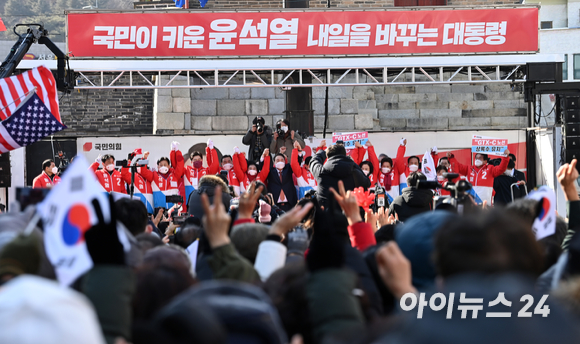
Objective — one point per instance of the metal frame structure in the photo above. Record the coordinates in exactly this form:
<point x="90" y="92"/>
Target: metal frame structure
<point x="300" y="72"/>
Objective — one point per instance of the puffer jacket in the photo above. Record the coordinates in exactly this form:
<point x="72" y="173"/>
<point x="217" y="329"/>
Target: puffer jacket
<point x="412" y="202"/>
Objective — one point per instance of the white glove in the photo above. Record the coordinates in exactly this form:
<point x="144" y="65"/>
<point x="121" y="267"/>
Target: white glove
<point x="210" y="143"/>
<point x="402" y="141"/>
<point x="434" y="149"/>
<point x="174" y="145"/>
<point x="236" y="150"/>
<point x="98" y="159"/>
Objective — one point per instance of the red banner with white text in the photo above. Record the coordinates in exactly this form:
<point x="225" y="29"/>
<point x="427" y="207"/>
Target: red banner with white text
<point x="303" y="33"/>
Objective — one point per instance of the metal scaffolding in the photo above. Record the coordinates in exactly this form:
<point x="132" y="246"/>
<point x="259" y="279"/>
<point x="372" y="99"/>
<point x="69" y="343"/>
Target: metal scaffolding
<point x="301" y="72"/>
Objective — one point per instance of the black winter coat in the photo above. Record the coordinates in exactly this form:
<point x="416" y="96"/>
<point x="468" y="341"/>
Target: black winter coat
<point x="207" y="186"/>
<point x="412" y="202"/>
<point x="339" y="167"/>
<point x="250" y="140"/>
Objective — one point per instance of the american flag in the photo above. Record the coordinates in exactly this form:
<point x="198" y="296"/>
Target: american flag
<point x="30" y="122"/>
<point x="15" y="88"/>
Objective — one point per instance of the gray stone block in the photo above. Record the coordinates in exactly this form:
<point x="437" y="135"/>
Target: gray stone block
<point x="397" y="106"/>
<point x="163" y="91"/>
<point x="319" y="92"/>
<point x="471" y="105"/>
<point x="453" y="97"/>
<point x="163" y="104"/>
<point x="470" y="123"/>
<point x="466" y="88"/>
<point x="318" y="122"/>
<point x="340" y="92"/>
<point x="509" y="104"/>
<point x="187" y="121"/>
<point x="204" y="107"/>
<point x="279" y="93"/>
<point x="412" y="113"/>
<point x="170" y="120"/>
<point x="256" y="107"/>
<point x="200" y="123"/>
<point x="363" y="93"/>
<point x="229" y="123"/>
<point x="341" y="122"/>
<point x="181" y="93"/>
<point x="433" y="88"/>
<point x="508" y="122"/>
<point x="399" y="89"/>
<point x="494" y="113"/>
<point x="367" y="104"/>
<point x="267" y="120"/>
<point x="440" y="113"/>
<point x="348" y="106"/>
<point x="363" y="122"/>
<point x="275" y="119"/>
<point x="387" y="98"/>
<point x="209" y="93"/>
<point x="231" y="107"/>
<point x="262" y="93"/>
<point x="428" y="123"/>
<point x="333" y="106"/>
<point x="432" y="105"/>
<point x="372" y="112"/>
<point x="418" y="97"/>
<point x="182" y="105"/>
<point x="240" y="93"/>
<point x="276" y="106"/>
<point x="498" y="87"/>
<point x="392" y="123"/>
<point x="497" y="96"/>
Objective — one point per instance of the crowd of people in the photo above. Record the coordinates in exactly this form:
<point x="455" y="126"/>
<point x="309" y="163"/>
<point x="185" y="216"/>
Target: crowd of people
<point x="296" y="249"/>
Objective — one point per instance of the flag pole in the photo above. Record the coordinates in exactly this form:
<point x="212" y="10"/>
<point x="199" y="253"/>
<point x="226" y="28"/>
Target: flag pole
<point x="17" y="99"/>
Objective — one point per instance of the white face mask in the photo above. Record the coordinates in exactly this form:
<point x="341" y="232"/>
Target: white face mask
<point x="280" y="165"/>
<point x="509" y="173"/>
<point x="110" y="167"/>
<point x="284" y="129"/>
<point x="440" y="178"/>
<point x="163" y="169"/>
<point x="252" y="172"/>
<point x="54" y="170"/>
<point x="478" y="163"/>
<point x="228" y="167"/>
<point x="385" y="170"/>
<point x="366" y="172"/>
<point x="413" y="168"/>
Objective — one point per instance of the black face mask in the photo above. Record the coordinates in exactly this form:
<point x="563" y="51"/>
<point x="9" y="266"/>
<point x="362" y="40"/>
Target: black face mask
<point x="511" y="164"/>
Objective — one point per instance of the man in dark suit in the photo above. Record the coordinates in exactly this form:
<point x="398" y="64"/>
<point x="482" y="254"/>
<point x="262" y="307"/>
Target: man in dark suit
<point x="502" y="185"/>
<point x="281" y="183"/>
<point x="519" y="175"/>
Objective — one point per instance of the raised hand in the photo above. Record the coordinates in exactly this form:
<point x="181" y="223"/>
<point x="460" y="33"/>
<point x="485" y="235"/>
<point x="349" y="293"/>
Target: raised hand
<point x="395" y="269"/>
<point x="567" y="175"/>
<point x="297" y="145"/>
<point x="372" y="218"/>
<point x="146" y="156"/>
<point x="174" y="146"/>
<point x="276" y="135"/>
<point x="216" y="221"/>
<point x="292" y="134"/>
<point x="369" y="144"/>
<point x="348" y="203"/>
<point x="283" y="149"/>
<point x="357" y="144"/>
<point x="322" y="143"/>
<point x="248" y="200"/>
<point x="266" y="152"/>
<point x="289" y="220"/>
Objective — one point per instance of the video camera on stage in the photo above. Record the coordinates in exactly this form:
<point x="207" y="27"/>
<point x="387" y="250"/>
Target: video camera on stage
<point x="459" y="199"/>
<point x="381" y="199"/>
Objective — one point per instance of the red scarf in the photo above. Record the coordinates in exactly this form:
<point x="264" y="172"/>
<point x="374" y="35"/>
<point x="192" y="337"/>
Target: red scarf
<point x="388" y="181"/>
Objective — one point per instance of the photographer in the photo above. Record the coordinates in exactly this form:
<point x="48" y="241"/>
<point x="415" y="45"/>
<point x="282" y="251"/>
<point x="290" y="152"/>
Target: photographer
<point x="413" y="201"/>
<point x="284" y="137"/>
<point x="258" y="138"/>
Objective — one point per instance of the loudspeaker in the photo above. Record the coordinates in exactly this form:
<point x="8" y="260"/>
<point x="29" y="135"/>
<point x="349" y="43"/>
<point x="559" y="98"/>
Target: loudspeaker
<point x="573" y="142"/>
<point x="544" y="72"/>
<point x="5" y="173"/>
<point x="572" y="115"/>
<point x="572" y="103"/>
<point x="572" y="129"/>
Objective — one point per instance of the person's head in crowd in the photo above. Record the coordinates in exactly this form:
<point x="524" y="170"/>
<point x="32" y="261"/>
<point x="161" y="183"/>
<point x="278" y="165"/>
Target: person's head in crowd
<point x="247" y="237"/>
<point x="287" y="290"/>
<point x="264" y="188"/>
<point x="444" y="161"/>
<point x="2" y="208"/>
<point x="259" y="123"/>
<point x="48" y="167"/>
<point x="386" y="164"/>
<point x="132" y="214"/>
<point x="279" y="161"/>
<point x="38" y="310"/>
<point x="252" y="168"/>
<point x="441" y="169"/>
<point x="382" y="156"/>
<point x="416" y="240"/>
<point x="284" y="126"/>
<point x="414" y="178"/>
<point x="148" y="241"/>
<point x="568" y="295"/>
<point x="511" y="164"/>
<point x="385" y="234"/>
<point x="227" y="162"/>
<point x="156" y="285"/>
<point x="108" y="161"/>
<point x="367" y="168"/>
<point x="188" y="233"/>
<point x="167" y="255"/>
<point x="20" y="256"/>
<point x="163" y="165"/>
<point x="480" y="159"/>
<point x="487" y="243"/>
<point x="308" y="220"/>
<point x="307" y="163"/>
<point x="196" y="159"/>
<point x="335" y="150"/>
<point x="413" y="162"/>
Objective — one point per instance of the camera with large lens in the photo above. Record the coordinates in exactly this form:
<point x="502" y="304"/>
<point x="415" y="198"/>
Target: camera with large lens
<point x="259" y="123"/>
<point x="460" y="200"/>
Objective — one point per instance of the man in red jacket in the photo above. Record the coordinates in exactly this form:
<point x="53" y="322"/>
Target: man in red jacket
<point x="481" y="174"/>
<point x="110" y="178"/>
<point x="48" y="177"/>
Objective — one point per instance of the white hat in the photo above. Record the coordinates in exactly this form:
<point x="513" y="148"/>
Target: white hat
<point x="36" y="310"/>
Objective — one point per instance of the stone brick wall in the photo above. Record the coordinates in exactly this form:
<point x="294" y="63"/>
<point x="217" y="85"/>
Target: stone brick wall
<point x="107" y="112"/>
